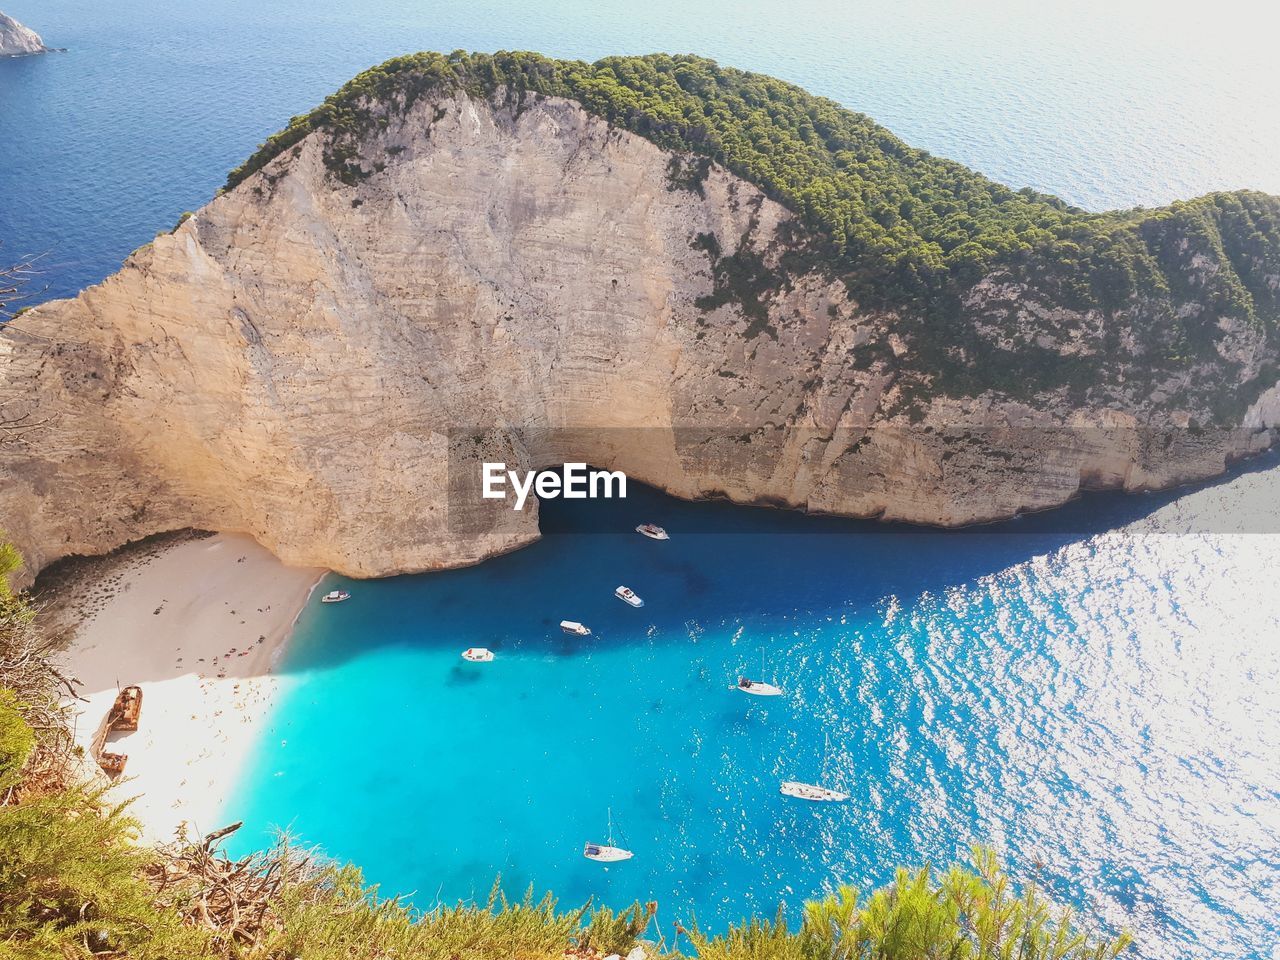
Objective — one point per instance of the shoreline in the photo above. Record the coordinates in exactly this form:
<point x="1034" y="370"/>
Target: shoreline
<point x="199" y="622"/>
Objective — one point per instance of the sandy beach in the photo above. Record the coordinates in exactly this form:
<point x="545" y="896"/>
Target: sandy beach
<point x="197" y="623"/>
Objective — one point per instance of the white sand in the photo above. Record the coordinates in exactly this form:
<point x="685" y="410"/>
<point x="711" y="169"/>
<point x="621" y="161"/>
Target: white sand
<point x="170" y="625"/>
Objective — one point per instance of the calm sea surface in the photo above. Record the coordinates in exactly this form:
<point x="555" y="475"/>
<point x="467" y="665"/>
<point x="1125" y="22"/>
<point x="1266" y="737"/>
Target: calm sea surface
<point x="1094" y="694"/>
<point x="1108" y="104"/>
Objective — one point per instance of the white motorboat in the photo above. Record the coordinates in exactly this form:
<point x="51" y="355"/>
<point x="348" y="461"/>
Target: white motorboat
<point x="811" y="791"/>
<point x="627" y="595"/>
<point x="758" y="688"/>
<point x="606" y="852"/>
<point x="652" y="531"/>
<point x="335" y="596"/>
<point x="478" y="655"/>
<point x="578" y="629"/>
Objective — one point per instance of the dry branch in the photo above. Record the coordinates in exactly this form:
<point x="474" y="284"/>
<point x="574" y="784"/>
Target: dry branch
<point x="235" y="900"/>
<point x="26" y="667"/>
<point x="14" y="278"/>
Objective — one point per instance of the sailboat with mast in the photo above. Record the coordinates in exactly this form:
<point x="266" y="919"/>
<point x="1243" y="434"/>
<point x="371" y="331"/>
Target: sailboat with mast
<point x="759" y="688"/>
<point x="813" y="791"/>
<point x="606" y="852"/>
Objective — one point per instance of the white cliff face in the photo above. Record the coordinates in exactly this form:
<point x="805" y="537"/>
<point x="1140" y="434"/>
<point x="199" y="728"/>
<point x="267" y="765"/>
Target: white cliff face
<point x="17" y="40"/>
<point x="324" y="366"/>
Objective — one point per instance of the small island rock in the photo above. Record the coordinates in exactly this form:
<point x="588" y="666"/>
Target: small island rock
<point x="17" y="40"/>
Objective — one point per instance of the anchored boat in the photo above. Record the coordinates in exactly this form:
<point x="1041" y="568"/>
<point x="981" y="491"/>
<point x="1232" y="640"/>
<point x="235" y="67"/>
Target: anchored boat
<point x="759" y="688"/>
<point x="652" y="531"/>
<point x="576" y="628"/>
<point x="627" y="595"/>
<point x="335" y="596"/>
<point x="603" y="853"/>
<point x="478" y="655"/>
<point x="811" y="791"/>
<point x="606" y="852"/>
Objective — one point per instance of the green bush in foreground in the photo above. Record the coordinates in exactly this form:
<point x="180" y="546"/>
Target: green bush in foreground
<point x="339" y="918"/>
<point x="71" y="885"/>
<point x="17" y="740"/>
<point x="969" y="913"/>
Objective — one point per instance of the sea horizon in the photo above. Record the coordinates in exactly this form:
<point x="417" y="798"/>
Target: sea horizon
<point x="1107" y="106"/>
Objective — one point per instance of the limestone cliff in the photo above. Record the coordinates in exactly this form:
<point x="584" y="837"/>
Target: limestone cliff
<point x="17" y="40"/>
<point x="322" y="361"/>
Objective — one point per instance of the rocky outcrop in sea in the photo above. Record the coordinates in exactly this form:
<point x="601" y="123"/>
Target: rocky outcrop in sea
<point x="17" y="40"/>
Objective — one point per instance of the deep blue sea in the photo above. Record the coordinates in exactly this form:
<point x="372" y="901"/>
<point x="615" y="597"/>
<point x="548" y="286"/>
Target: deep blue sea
<point x="1093" y="692"/>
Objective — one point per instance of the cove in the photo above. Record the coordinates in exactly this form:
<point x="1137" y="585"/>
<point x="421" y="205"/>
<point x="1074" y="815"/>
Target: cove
<point x="1087" y="690"/>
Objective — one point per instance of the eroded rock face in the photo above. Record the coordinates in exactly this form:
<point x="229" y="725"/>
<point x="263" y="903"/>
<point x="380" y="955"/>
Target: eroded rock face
<point x="325" y="365"/>
<point x="17" y="40"/>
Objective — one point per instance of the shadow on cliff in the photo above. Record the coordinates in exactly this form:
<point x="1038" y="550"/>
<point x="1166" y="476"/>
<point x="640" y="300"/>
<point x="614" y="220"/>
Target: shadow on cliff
<point x="726" y="566"/>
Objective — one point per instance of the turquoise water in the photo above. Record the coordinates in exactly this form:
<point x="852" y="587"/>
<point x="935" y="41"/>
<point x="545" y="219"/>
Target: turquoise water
<point x="1083" y="691"/>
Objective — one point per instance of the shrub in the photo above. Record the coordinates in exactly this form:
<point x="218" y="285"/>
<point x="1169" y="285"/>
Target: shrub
<point x="71" y="886"/>
<point x="336" y="917"/>
<point x="969" y="913"/>
<point x="17" y="740"/>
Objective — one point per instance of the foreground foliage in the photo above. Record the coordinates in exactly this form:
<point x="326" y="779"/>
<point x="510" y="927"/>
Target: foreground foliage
<point x="345" y="919"/>
<point x="968" y="913"/>
<point x="74" y="883"/>
<point x="289" y="901"/>
<point x="36" y="745"/>
<point x="17" y="742"/>
<point x="71" y="884"/>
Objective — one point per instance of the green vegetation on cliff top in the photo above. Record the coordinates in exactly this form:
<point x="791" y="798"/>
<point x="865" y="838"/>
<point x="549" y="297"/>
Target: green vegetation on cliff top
<point x="901" y="225"/>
